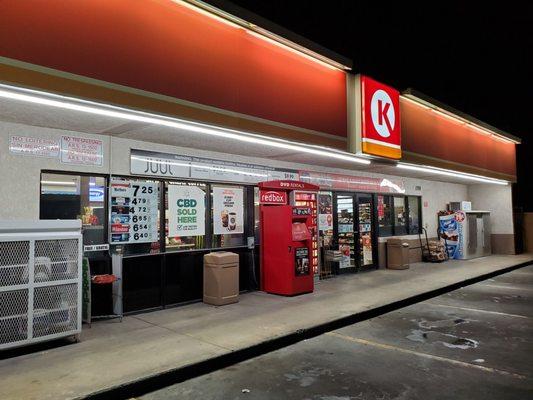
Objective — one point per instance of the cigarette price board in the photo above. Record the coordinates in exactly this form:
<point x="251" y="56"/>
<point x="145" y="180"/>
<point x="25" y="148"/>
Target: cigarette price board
<point x="134" y="206"/>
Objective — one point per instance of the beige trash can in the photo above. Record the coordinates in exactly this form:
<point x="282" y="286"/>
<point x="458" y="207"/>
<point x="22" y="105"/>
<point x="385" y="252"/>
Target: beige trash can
<point x="221" y="278"/>
<point x="397" y="254"/>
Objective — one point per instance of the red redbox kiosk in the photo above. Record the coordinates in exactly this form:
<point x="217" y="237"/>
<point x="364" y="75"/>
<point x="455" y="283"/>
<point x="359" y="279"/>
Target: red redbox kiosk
<point x="289" y="251"/>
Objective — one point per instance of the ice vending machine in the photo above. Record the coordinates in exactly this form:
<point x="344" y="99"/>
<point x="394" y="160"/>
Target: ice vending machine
<point x="467" y="233"/>
<point x="289" y="253"/>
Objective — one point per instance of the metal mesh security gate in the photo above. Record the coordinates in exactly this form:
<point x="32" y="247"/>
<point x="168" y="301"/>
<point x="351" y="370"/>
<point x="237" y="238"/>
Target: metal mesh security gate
<point x="40" y="281"/>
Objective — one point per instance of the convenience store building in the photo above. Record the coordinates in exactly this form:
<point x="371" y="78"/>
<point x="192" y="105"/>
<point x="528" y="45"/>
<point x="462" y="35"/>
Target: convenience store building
<point x="174" y="100"/>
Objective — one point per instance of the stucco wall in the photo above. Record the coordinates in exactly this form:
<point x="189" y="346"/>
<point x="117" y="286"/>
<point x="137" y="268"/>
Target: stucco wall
<point x="496" y="199"/>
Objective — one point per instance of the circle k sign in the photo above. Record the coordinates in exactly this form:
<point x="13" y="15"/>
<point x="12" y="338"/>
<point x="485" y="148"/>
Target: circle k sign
<point x="382" y="111"/>
<point x="380" y="130"/>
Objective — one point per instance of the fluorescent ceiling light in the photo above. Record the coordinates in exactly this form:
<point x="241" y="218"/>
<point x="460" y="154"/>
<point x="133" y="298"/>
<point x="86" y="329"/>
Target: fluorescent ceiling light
<point x="70" y="103"/>
<point x="448" y="172"/>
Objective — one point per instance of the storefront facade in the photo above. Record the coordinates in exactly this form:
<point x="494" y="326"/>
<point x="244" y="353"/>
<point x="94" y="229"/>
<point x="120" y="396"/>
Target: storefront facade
<point x="161" y="158"/>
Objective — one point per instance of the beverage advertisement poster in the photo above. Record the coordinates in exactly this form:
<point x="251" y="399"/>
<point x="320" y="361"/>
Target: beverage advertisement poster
<point x="134" y="206"/>
<point x="228" y="210"/>
<point x="186" y="207"/>
<point x="301" y="262"/>
<point x="325" y="211"/>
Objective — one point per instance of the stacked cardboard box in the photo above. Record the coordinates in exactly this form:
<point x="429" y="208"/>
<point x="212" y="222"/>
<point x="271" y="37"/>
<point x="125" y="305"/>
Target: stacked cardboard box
<point x="437" y="250"/>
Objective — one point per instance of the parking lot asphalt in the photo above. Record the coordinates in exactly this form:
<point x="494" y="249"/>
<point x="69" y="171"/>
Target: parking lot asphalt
<point x="472" y="343"/>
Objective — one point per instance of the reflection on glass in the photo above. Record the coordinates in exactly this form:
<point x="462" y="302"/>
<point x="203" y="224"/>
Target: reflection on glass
<point x="399" y="216"/>
<point x="384" y="215"/>
<point x="80" y="197"/>
<point x="414" y="214"/>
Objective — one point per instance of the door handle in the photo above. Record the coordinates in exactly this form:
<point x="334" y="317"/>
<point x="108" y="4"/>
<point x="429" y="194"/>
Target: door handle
<point x="290" y="249"/>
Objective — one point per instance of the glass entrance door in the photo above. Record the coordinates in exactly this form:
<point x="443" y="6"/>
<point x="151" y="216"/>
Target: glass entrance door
<point x="354" y="230"/>
<point x="365" y="237"/>
<point x="345" y="231"/>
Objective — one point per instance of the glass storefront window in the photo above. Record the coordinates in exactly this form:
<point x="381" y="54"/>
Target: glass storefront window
<point x="228" y="215"/>
<point x="185" y="215"/>
<point x="384" y="215"/>
<point x="414" y="214"/>
<point x="65" y="196"/>
<point x="400" y="216"/>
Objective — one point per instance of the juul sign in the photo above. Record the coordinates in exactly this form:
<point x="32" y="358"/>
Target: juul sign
<point x="380" y="117"/>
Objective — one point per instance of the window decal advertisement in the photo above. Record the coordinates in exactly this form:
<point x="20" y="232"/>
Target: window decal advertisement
<point x="133" y="213"/>
<point x="228" y="210"/>
<point x="325" y="211"/>
<point x="186" y="207"/>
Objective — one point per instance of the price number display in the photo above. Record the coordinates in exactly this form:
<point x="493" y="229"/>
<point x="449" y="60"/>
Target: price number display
<point x="133" y="211"/>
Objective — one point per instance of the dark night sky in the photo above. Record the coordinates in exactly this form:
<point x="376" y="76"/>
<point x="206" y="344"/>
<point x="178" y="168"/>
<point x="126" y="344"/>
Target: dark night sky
<point x="476" y="57"/>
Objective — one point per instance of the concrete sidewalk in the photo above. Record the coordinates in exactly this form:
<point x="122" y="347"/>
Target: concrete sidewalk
<point x="112" y="353"/>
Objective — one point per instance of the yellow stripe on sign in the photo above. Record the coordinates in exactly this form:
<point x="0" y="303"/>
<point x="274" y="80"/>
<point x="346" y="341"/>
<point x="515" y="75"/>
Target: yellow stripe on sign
<point x="382" y="151"/>
<point x="424" y="355"/>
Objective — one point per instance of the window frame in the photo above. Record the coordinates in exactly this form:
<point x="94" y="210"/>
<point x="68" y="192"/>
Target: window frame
<point x="394" y="226"/>
<point x="81" y="174"/>
<point x="418" y="210"/>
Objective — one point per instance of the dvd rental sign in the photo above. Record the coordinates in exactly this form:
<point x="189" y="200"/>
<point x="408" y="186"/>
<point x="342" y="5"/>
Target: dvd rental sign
<point x="272" y="197"/>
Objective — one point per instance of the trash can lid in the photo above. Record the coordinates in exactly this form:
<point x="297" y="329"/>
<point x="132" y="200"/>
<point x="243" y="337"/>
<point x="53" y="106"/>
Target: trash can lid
<point x="395" y="241"/>
<point x="221" y="257"/>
